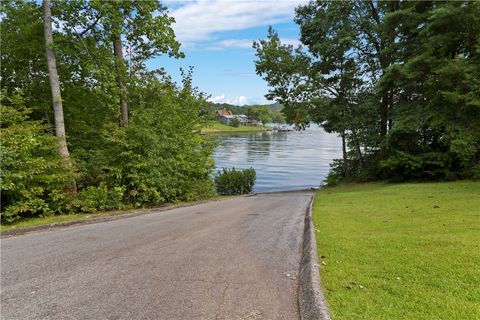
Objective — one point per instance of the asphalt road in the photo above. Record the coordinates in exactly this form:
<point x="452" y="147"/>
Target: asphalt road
<point x="231" y="259"/>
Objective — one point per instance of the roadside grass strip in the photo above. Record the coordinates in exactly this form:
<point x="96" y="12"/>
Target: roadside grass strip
<point x="24" y="224"/>
<point x="400" y="251"/>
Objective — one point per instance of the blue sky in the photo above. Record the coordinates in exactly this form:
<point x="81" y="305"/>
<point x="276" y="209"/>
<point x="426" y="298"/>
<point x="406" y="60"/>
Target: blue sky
<point x="217" y="36"/>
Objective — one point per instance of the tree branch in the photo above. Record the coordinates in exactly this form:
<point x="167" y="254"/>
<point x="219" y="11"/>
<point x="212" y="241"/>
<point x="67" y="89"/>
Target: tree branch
<point x="90" y="26"/>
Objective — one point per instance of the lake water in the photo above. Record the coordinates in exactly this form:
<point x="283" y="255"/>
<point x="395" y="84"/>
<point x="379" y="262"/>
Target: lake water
<point x="283" y="160"/>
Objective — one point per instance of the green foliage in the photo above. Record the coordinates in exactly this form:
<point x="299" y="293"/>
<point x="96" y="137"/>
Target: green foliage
<point x="235" y="122"/>
<point x="263" y="114"/>
<point x="33" y="177"/>
<point x="277" y="117"/>
<point x="23" y="55"/>
<point x="160" y="157"/>
<point x="398" y="81"/>
<point x="145" y="25"/>
<point x="336" y="174"/>
<point x="230" y="182"/>
<point x="94" y="198"/>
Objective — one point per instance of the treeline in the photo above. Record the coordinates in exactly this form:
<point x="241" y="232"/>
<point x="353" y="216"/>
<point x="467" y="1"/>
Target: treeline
<point x="399" y="81"/>
<point x="91" y="127"/>
<point x="261" y="113"/>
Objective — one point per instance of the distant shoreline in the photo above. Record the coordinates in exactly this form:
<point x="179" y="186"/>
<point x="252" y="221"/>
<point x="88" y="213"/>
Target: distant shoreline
<point x="213" y="131"/>
<point x="222" y="128"/>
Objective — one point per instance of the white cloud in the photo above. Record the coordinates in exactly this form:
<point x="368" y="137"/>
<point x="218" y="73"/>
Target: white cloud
<point x="241" y="43"/>
<point x="199" y="21"/>
<point x="238" y="101"/>
<point x="235" y="43"/>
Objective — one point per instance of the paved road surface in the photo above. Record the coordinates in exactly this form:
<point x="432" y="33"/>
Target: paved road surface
<point x="232" y="259"/>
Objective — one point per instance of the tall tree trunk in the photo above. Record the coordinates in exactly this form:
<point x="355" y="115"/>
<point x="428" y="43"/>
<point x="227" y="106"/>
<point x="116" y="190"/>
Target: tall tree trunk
<point x="345" y="157"/>
<point x="390" y="110"/>
<point x="357" y="147"/>
<point x="55" y="88"/>
<point x="383" y="117"/>
<point x="119" y="62"/>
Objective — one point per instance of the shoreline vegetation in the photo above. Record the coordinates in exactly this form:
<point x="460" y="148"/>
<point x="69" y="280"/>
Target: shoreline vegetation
<point x="400" y="251"/>
<point x="131" y="131"/>
<point x="223" y="128"/>
<point x="397" y="81"/>
<point x="22" y="225"/>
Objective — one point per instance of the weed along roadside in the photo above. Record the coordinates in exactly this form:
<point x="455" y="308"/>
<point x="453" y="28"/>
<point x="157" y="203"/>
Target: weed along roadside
<point x="228" y="183"/>
<point x="62" y="221"/>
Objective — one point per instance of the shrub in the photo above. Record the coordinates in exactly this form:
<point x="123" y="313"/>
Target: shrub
<point x="161" y="156"/>
<point x="94" y="198"/>
<point x="33" y="177"/>
<point x="235" y="122"/>
<point x="336" y="174"/>
<point x="230" y="182"/>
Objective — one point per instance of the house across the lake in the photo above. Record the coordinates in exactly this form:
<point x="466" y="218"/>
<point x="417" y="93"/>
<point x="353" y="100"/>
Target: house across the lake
<point x="226" y="116"/>
<point x="223" y="112"/>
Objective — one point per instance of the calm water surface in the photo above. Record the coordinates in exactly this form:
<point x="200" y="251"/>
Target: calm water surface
<point x="283" y="160"/>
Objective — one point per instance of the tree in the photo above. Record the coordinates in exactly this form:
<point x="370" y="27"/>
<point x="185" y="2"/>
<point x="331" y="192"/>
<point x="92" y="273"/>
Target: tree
<point x="136" y="30"/>
<point x="436" y="126"/>
<point x="277" y="117"/>
<point x="319" y="87"/>
<point x="55" y="86"/>
<point x="159" y="157"/>
<point x="262" y="114"/>
<point x="24" y="67"/>
<point x="235" y="122"/>
<point x="394" y="79"/>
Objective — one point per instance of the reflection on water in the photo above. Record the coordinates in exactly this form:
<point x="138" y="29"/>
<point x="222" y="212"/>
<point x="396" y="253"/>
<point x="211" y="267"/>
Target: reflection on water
<point x="283" y="160"/>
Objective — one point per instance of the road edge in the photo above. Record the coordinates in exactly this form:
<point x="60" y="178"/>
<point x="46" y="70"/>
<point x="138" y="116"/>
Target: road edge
<point x="312" y="303"/>
<point x="115" y="215"/>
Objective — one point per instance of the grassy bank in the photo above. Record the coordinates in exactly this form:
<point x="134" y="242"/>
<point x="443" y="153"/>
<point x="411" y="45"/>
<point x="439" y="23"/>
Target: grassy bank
<point x="404" y="251"/>
<point x="216" y="127"/>
<point x="40" y="221"/>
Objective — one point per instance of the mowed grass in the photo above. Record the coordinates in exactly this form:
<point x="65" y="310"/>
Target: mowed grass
<point x="220" y="127"/>
<point x="400" y="251"/>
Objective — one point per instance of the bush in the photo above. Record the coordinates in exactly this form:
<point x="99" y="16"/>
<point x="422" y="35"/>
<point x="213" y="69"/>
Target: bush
<point x="94" y="198"/>
<point x="235" y="122"/>
<point x="161" y="156"/>
<point x="230" y="182"/>
<point x="33" y="177"/>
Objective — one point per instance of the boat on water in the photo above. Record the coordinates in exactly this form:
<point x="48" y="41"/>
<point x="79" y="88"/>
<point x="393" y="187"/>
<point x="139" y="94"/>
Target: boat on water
<point x="283" y="128"/>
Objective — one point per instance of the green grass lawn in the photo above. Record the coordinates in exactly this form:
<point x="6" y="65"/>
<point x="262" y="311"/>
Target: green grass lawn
<point x="220" y="127"/>
<point x="400" y="251"/>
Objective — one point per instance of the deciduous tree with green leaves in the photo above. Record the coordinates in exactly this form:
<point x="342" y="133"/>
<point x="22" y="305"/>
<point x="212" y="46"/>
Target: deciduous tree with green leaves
<point x="160" y="156"/>
<point x="394" y="79"/>
<point x="262" y="114"/>
<point x="136" y="30"/>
